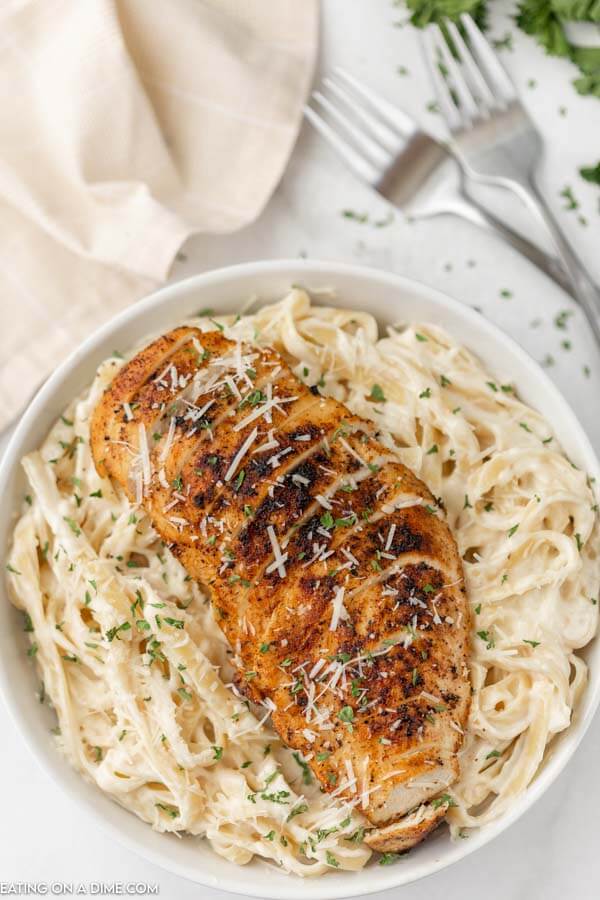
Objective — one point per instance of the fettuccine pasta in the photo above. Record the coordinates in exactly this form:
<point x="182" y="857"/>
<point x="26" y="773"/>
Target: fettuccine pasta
<point x="148" y="710"/>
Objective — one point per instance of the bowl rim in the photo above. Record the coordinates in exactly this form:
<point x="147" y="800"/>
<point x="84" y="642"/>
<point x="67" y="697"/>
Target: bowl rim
<point x="361" y="884"/>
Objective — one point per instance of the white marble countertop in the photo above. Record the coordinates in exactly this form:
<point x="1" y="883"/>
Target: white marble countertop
<point x="552" y="852"/>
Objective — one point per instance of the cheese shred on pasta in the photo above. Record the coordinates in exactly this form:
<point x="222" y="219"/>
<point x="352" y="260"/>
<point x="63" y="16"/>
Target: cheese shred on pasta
<point x="140" y="675"/>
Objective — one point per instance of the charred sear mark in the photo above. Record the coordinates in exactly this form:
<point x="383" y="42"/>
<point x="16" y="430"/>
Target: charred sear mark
<point x="260" y="467"/>
<point x="406" y="540"/>
<point x="397" y="724"/>
<point x="306" y="470"/>
<point x="303" y="429"/>
<point x="287" y="505"/>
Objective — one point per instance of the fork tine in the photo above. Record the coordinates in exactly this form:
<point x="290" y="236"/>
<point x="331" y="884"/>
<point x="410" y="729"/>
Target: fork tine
<point x="360" y="139"/>
<point x="479" y="85"/>
<point x="361" y="167"/>
<point x="391" y="116"/>
<point x="488" y="60"/>
<point x="358" y="123"/>
<point x="448" y="108"/>
<point x="466" y="100"/>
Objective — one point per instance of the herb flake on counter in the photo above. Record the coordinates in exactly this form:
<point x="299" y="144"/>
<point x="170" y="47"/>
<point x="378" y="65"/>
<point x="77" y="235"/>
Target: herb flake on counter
<point x="570" y="202"/>
<point x="591" y="173"/>
<point x="361" y="218"/>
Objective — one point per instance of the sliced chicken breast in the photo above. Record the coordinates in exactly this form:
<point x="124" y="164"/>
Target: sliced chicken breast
<point x="328" y="563"/>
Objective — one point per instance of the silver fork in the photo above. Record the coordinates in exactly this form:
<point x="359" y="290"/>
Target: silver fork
<point x="494" y="137"/>
<point x="413" y="171"/>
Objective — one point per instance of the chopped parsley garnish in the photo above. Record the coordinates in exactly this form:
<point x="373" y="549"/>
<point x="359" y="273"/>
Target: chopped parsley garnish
<point x="560" y="320"/>
<point x="306" y="773"/>
<point x="327" y="520"/>
<point x="217" y="752"/>
<point x="377" y="395"/>
<point x="72" y="525"/>
<point x="252" y="399"/>
<point x="512" y="530"/>
<point x="297" y="810"/>
<point x="113" y="633"/>
<point x="171" y="811"/>
<point x="533" y="644"/>
<point x="444" y="800"/>
<point x="346" y="714"/>
<point x="485" y="636"/>
<point x="386" y="859"/>
<point x="591" y="173"/>
<point x="346" y="521"/>
<point x="361" y="218"/>
<point x="277" y="797"/>
<point x="493" y="754"/>
<point x="570" y="202"/>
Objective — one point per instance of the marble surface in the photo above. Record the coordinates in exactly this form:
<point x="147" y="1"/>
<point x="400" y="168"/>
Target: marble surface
<point x="552" y="851"/>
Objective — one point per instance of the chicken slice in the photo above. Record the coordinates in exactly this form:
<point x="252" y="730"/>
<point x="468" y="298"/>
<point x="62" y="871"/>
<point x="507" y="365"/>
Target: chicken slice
<point x="407" y="832"/>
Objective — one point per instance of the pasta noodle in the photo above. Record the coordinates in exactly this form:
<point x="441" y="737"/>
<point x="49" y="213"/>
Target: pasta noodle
<point x="140" y="675"/>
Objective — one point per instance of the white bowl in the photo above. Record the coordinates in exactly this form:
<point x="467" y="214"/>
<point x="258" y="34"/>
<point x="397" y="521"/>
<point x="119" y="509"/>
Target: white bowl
<point x="391" y="299"/>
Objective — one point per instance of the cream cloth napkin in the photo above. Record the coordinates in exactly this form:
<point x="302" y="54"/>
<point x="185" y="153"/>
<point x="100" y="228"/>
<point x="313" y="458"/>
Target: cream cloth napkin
<point x="127" y="125"/>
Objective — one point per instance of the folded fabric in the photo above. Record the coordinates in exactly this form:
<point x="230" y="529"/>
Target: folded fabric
<point x="127" y="125"/>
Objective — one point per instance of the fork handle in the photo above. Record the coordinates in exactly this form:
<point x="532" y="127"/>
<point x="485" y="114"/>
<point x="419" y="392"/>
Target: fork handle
<point x="583" y="288"/>
<point x="580" y="284"/>
<point x="468" y="208"/>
